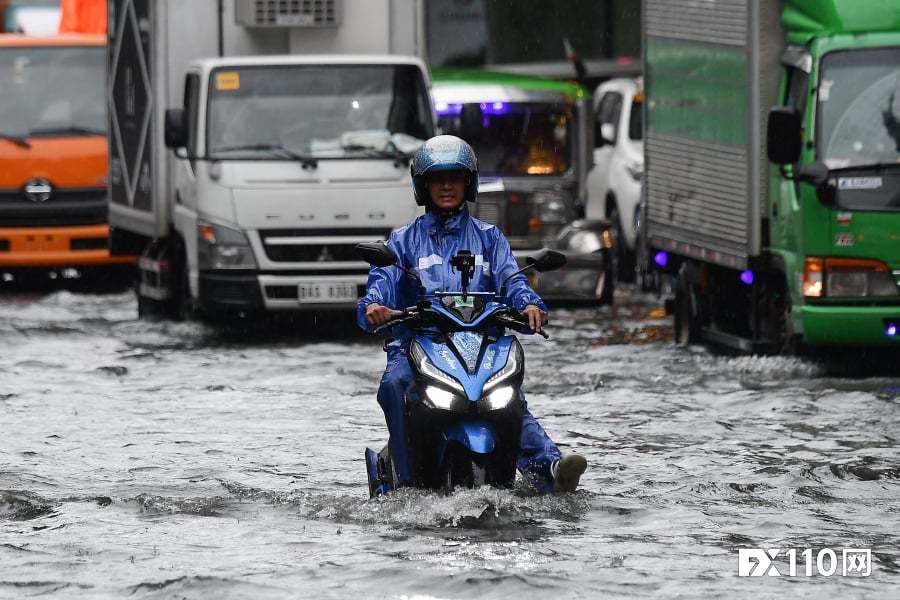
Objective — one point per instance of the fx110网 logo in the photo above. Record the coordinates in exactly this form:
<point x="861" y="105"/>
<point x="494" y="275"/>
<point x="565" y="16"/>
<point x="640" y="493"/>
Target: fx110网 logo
<point x="760" y="562"/>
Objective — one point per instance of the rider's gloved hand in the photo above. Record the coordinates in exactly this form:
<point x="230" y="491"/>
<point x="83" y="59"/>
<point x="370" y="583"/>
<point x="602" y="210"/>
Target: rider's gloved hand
<point x="536" y="317"/>
<point x="376" y="314"/>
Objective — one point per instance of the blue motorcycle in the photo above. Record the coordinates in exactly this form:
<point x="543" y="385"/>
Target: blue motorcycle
<point x="464" y="411"/>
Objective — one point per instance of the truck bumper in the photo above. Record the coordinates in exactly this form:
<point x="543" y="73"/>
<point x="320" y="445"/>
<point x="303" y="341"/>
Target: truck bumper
<point x="254" y="292"/>
<point x="850" y="325"/>
<point x="57" y="247"/>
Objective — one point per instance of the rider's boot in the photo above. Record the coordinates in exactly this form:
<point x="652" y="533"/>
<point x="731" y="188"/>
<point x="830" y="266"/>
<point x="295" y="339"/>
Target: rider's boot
<point x="566" y="472"/>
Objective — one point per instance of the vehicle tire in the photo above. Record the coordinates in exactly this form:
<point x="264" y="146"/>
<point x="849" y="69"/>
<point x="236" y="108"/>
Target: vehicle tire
<point x="624" y="258"/>
<point x="606" y="286"/>
<point x="180" y="306"/>
<point x="463" y="470"/>
<point x="687" y="317"/>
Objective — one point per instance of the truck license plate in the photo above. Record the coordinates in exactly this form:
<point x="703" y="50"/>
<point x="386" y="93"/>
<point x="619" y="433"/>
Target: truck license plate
<point x="326" y="292"/>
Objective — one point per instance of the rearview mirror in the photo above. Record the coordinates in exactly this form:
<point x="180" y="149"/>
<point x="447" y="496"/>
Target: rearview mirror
<point x="176" y="131"/>
<point x="607" y="134"/>
<point x="547" y="260"/>
<point x="784" y="135"/>
<point x="376" y="254"/>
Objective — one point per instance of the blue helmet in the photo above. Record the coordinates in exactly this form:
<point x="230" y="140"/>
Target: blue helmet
<point x="443" y="153"/>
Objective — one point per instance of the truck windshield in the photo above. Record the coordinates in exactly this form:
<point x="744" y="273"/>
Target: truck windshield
<point x="513" y="138"/>
<point x="859" y="108"/>
<point x="338" y="111"/>
<point x="53" y="91"/>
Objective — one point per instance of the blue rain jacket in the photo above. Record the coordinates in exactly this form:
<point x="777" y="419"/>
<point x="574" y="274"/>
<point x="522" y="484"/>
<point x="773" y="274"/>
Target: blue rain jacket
<point x="427" y="245"/>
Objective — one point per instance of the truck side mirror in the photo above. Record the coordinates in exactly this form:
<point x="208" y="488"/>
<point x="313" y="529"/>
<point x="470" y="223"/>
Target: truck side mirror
<point x="605" y="134"/>
<point x="176" y="131"/>
<point x="784" y="135"/>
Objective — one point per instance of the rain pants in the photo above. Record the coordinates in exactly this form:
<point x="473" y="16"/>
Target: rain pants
<point x="427" y="245"/>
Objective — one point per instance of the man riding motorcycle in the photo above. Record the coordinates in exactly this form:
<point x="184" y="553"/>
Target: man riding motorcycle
<point x="445" y="176"/>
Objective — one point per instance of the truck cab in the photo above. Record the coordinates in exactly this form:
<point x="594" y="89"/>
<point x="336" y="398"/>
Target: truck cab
<point x="834" y="204"/>
<point x="53" y="154"/>
<point x="283" y="164"/>
<point x="531" y="137"/>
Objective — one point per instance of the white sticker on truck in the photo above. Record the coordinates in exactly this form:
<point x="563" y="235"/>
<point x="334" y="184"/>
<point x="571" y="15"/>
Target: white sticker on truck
<point x="860" y="183"/>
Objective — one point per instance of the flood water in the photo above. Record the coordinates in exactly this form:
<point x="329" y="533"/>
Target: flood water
<point x="160" y="460"/>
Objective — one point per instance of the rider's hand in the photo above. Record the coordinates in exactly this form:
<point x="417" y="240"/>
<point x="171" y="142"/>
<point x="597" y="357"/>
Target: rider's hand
<point x="536" y="317"/>
<point x="376" y="314"/>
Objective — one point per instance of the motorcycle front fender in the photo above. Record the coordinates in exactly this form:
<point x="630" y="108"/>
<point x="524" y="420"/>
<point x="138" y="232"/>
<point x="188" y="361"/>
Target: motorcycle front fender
<point x="476" y="436"/>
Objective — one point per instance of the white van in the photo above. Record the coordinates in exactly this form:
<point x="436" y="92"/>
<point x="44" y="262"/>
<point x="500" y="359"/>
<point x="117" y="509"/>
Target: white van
<point x="614" y="184"/>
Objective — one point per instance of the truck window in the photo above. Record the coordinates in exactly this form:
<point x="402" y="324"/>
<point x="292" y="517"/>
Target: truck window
<point x="636" y="119"/>
<point x="321" y="110"/>
<point x="609" y="111"/>
<point x="858" y="125"/>
<point x="797" y="90"/>
<point x="192" y="108"/>
<point x="53" y="91"/>
<point x="513" y="138"/>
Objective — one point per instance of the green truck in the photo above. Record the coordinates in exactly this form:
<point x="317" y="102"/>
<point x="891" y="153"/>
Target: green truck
<point x="772" y="176"/>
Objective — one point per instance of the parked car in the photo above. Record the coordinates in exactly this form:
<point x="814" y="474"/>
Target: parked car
<point x="533" y="159"/>
<point x="614" y="184"/>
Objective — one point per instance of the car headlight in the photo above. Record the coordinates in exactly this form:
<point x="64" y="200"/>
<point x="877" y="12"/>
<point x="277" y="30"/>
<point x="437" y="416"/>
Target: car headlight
<point x="499" y="398"/>
<point x="847" y="277"/>
<point x="427" y="368"/>
<point x="635" y="168"/>
<point x="515" y="363"/>
<point x="220" y="247"/>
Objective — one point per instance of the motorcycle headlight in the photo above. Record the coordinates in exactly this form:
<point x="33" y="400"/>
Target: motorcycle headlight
<point x="439" y="397"/>
<point x="499" y="398"/>
<point x="515" y="362"/>
<point x="220" y="247"/>
<point x="635" y="168"/>
<point x="427" y="368"/>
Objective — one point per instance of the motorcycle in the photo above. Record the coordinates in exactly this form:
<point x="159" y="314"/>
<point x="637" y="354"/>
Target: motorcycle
<point x="464" y="411"/>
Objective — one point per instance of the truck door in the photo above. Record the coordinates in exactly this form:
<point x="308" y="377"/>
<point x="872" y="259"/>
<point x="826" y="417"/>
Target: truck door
<point x="609" y="111"/>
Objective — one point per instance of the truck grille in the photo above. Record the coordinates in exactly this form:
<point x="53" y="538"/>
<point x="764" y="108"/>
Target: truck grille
<point x="287" y="13"/>
<point x="316" y="245"/>
<point x="64" y="207"/>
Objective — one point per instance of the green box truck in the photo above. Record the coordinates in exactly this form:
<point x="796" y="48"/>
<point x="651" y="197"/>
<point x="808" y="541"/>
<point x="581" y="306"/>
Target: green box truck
<point x="772" y="177"/>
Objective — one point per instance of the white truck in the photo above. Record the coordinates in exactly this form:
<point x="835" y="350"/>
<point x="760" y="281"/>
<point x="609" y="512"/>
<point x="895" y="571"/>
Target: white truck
<point x="254" y="143"/>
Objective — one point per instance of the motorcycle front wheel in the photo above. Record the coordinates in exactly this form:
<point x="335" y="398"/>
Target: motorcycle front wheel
<point x="464" y="470"/>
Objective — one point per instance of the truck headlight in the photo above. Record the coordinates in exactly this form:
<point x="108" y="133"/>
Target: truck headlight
<point x="220" y="247"/>
<point x="847" y="278"/>
<point x="550" y="207"/>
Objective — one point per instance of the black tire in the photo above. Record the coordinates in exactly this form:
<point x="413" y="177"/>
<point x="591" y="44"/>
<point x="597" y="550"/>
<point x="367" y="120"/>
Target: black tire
<point x="180" y="305"/>
<point x="687" y="317"/>
<point x="624" y="258"/>
<point x="606" y="283"/>
<point x="463" y="470"/>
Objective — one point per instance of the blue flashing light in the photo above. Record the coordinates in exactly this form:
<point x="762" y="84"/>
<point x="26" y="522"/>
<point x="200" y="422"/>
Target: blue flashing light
<point x="661" y="259"/>
<point x="747" y="277"/>
<point x="446" y="108"/>
<point x="494" y="108"/>
<point x="891" y="330"/>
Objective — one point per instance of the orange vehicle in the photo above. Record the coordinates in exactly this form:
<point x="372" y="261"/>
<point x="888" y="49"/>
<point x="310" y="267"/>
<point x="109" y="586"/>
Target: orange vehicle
<point x="53" y="155"/>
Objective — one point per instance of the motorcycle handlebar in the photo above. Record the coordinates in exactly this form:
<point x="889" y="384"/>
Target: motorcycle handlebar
<point x="511" y="319"/>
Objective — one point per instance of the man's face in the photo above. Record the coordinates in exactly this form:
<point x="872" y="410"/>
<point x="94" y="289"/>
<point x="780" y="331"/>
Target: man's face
<point x="447" y="189"/>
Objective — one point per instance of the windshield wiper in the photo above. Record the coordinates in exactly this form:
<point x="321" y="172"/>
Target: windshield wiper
<point x="67" y="130"/>
<point x="18" y="140"/>
<point x="279" y="151"/>
<point x="371" y="152"/>
<point x="868" y="167"/>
